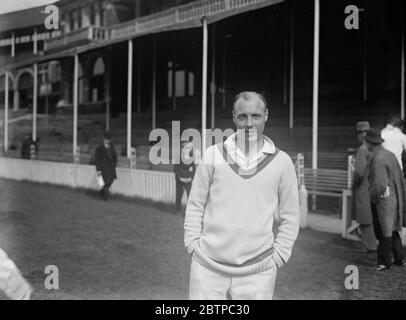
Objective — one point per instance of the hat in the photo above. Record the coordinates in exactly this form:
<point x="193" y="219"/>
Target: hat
<point x="373" y="136"/>
<point x="362" y="126"/>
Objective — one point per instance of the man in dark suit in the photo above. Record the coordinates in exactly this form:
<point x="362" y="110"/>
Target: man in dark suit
<point x="387" y="195"/>
<point x="106" y="162"/>
<point x="26" y="147"/>
<point x="184" y="173"/>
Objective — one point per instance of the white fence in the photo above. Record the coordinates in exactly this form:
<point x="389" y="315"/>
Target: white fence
<point x="145" y="184"/>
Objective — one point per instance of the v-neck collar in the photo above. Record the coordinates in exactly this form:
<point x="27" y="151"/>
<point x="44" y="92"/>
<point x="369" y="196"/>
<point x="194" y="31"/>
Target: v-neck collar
<point x="246" y="174"/>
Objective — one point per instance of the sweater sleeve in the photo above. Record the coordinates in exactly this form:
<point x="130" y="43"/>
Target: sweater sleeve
<point x="197" y="201"/>
<point x="289" y="215"/>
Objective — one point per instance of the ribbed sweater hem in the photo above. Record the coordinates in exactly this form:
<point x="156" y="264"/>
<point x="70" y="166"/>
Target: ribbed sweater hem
<point x="258" y="267"/>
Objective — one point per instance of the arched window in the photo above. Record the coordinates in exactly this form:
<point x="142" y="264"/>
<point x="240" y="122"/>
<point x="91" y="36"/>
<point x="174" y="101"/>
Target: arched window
<point x="98" y="68"/>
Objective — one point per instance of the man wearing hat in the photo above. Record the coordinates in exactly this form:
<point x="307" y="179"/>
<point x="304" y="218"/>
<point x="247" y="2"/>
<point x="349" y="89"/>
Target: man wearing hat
<point x="387" y="194"/>
<point x="106" y="162"/>
<point x="362" y="208"/>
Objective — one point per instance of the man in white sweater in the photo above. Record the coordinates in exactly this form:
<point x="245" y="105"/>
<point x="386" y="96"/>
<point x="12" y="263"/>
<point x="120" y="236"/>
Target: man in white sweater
<point x="12" y="283"/>
<point x="395" y="139"/>
<point x="238" y="189"/>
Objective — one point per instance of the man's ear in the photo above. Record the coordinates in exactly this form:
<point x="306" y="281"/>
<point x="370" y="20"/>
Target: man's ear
<point x="266" y="115"/>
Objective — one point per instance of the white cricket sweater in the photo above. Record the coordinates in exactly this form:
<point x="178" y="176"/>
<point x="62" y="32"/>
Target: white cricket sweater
<point x="230" y="213"/>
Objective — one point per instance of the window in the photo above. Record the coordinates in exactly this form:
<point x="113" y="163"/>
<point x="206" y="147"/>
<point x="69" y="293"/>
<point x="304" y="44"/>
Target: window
<point x="184" y="82"/>
<point x="191" y="86"/>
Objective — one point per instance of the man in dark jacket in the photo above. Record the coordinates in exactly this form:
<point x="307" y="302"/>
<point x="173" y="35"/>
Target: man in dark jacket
<point x="106" y="162"/>
<point x="26" y="147"/>
<point x="362" y="207"/>
<point x="184" y="173"/>
<point x="387" y="194"/>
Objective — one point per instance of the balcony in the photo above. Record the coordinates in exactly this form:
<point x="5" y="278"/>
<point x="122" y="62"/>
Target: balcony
<point x="81" y="36"/>
<point x="186" y="15"/>
<point x="189" y="14"/>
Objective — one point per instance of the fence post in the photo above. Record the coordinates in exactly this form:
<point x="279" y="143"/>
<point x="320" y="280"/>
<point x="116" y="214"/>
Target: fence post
<point x="76" y="156"/>
<point x="346" y="216"/>
<point x="350" y="170"/>
<point x="133" y="157"/>
<point x="33" y="151"/>
<point x="303" y="206"/>
<point x="133" y="165"/>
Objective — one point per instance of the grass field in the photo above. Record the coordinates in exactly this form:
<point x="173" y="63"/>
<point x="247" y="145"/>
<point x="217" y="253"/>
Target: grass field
<point x="128" y="249"/>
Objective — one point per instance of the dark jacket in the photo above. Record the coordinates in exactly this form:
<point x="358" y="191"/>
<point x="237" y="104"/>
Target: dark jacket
<point x="384" y="171"/>
<point x="26" y="148"/>
<point x="362" y="205"/>
<point x="184" y="170"/>
<point x="106" y="162"/>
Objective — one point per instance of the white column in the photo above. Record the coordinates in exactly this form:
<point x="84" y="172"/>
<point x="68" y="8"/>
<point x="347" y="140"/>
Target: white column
<point x="16" y="99"/>
<point x="35" y="42"/>
<point x="6" y="112"/>
<point x="213" y="79"/>
<point x="174" y="73"/>
<point x="364" y="59"/>
<point x="35" y="103"/>
<point x="138" y="80"/>
<point x="204" y="86"/>
<point x="154" y="84"/>
<point x="97" y="16"/>
<point x="315" y="81"/>
<point x="129" y="95"/>
<point x="292" y="66"/>
<point x="402" y="80"/>
<point x="75" y="103"/>
<point x="223" y="84"/>
<point x="107" y="84"/>
<point x="285" y="53"/>
<point x="13" y="45"/>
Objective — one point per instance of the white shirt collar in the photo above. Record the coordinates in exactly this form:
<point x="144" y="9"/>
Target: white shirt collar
<point x="268" y="147"/>
<point x="241" y="159"/>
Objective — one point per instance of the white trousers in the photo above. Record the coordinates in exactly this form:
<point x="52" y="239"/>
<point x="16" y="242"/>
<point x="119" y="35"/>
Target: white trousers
<point x="206" y="284"/>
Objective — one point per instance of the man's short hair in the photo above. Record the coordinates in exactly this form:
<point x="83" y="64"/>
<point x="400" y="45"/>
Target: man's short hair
<point x="248" y="96"/>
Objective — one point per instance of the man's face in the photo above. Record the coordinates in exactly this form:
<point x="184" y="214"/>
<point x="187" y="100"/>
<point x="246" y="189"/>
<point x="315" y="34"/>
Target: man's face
<point x="250" y="116"/>
<point x="106" y="142"/>
<point x="361" y="136"/>
<point x="370" y="146"/>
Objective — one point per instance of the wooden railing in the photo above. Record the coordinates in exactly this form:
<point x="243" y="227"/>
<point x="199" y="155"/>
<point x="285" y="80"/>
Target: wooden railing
<point x="170" y="17"/>
<point x="87" y="34"/>
<point x="191" y="11"/>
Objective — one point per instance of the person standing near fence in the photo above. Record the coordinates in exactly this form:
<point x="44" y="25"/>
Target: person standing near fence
<point x="387" y="194"/>
<point x="26" y="146"/>
<point x="238" y="187"/>
<point x="362" y="204"/>
<point x="106" y="162"/>
<point x="184" y="173"/>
